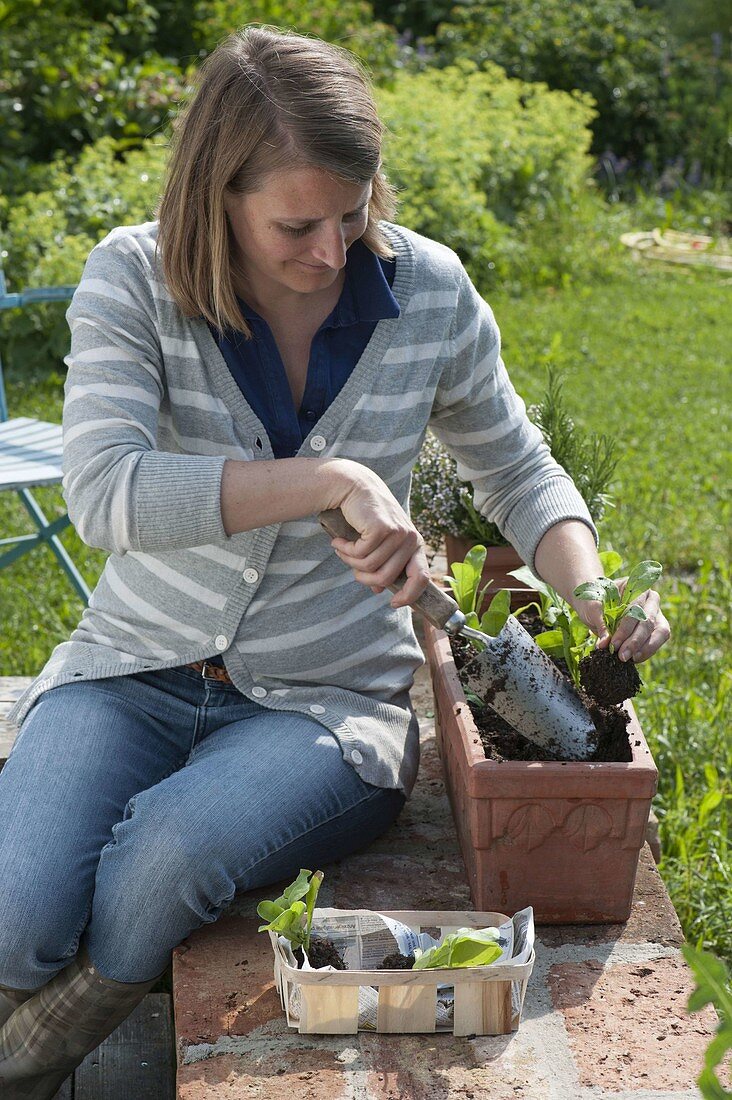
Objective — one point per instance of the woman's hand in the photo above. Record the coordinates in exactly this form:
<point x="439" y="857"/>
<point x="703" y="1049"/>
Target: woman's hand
<point x="633" y="640"/>
<point x="389" y="543"/>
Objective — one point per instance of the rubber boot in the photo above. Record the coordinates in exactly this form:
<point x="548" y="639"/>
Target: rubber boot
<point x="49" y="1035"/>
<point x="10" y="999"/>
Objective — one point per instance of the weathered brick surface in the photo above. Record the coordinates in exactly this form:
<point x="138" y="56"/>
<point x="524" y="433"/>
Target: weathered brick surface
<point x="307" y="1073"/>
<point x="223" y="982"/>
<point x="627" y="1024"/>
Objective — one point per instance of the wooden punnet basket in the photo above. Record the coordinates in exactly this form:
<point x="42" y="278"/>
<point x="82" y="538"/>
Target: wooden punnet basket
<point x="407" y="999"/>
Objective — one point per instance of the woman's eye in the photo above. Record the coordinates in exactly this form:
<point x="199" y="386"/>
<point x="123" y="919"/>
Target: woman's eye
<point x="296" y="231"/>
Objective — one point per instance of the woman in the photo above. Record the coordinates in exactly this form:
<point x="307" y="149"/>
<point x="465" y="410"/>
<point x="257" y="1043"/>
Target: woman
<point x="234" y="703"/>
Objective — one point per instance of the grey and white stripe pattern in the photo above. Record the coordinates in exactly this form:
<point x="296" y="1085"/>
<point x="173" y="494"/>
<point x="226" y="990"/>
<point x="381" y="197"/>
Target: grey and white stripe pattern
<point x="152" y="413"/>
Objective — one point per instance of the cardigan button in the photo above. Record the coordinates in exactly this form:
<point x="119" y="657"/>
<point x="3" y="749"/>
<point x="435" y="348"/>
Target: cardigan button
<point x="317" y="443"/>
<point x="259" y="692"/>
<point x="356" y="757"/>
<point x="251" y="576"/>
<point x="221" y="641"/>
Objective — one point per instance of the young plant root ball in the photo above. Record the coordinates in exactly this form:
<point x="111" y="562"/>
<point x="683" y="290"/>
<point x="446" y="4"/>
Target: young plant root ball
<point x="607" y="679"/>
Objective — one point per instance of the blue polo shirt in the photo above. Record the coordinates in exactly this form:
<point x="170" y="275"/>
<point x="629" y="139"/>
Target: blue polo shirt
<point x="337" y="346"/>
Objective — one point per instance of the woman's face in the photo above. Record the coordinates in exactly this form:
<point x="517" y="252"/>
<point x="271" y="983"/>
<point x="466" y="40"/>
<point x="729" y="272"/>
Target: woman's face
<point x="294" y="231"/>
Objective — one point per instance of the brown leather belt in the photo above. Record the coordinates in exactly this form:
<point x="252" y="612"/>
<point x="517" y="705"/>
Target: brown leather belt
<point x="211" y="672"/>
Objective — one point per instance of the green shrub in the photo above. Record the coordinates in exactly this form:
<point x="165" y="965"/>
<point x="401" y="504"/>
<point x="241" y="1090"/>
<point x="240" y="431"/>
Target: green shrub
<point x="655" y="98"/>
<point x="49" y="233"/>
<point x="348" y="23"/>
<point x="65" y="83"/>
<point x="483" y="163"/>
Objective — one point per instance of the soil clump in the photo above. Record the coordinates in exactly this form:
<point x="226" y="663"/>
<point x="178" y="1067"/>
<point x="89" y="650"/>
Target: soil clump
<point x="608" y="679"/>
<point x="322" y="952"/>
<point x="397" y="961"/>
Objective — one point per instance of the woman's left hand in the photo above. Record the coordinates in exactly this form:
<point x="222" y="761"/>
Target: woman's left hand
<point x="633" y="640"/>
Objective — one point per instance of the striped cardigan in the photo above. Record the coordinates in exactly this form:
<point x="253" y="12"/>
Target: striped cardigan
<point x="152" y="412"/>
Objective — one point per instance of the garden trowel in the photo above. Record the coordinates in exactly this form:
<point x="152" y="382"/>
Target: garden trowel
<point x="512" y="675"/>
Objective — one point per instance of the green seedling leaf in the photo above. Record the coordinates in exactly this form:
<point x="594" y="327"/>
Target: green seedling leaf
<point x="524" y="574"/>
<point x="465" y="947"/>
<point x="293" y="920"/>
<point x="287" y="921"/>
<point x="298" y="889"/>
<point x="269" y="910"/>
<point x="499" y="609"/>
<point x="611" y="562"/>
<point x="579" y="631"/>
<point x="552" y="642"/>
<point x="641" y="577"/>
<point x="602" y="589"/>
<point x="635" y="611"/>
<point x="312" y="894"/>
<point x="466" y="578"/>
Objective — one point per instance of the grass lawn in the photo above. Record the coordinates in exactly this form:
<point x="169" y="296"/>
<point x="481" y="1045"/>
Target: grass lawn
<point x="647" y="359"/>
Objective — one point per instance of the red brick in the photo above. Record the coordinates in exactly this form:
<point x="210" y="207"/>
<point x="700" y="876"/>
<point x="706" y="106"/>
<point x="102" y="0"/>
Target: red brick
<point x="307" y="1073"/>
<point x="223" y="981"/>
<point x="628" y="1026"/>
<point x="399" y="882"/>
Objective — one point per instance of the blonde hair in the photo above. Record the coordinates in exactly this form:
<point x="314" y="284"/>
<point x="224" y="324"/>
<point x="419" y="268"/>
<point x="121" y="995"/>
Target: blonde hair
<point x="266" y="100"/>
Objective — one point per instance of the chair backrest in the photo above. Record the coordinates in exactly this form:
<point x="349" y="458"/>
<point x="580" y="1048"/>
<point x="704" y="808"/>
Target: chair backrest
<point x="26" y="297"/>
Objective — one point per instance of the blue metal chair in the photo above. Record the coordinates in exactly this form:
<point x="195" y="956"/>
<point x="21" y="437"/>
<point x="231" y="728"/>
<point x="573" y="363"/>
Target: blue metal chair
<point x="30" y="455"/>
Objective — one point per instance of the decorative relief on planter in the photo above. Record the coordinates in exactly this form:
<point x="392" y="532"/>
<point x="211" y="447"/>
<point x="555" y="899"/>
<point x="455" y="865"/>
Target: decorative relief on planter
<point x="532" y="824"/>
<point x="585" y="826"/>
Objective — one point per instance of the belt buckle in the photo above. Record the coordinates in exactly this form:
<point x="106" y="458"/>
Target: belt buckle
<point x="203" y="672"/>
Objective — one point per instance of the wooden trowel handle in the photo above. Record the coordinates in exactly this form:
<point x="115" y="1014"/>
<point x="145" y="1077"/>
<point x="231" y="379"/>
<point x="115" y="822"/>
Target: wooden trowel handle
<point x="436" y="606"/>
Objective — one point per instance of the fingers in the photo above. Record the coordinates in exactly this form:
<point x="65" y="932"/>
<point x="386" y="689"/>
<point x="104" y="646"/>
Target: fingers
<point x="398" y="553"/>
<point x="590" y="611"/>
<point x="637" y="641"/>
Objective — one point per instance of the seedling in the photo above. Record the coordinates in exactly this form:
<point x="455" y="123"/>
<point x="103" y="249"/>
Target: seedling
<point x="469" y="597"/>
<point x="614" y="606"/>
<point x="290" y="916"/>
<point x="465" y="947"/>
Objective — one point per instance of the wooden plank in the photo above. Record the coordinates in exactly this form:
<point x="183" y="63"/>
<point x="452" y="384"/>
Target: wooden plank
<point x="482" y="1008"/>
<point x="64" y="1093"/>
<point x="11" y="688"/>
<point x="410" y="1008"/>
<point x="137" y="1061"/>
<point x="328" y="1010"/>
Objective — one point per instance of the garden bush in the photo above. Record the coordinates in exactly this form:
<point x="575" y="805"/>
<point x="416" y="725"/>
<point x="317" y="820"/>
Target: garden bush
<point x="655" y="98"/>
<point x="496" y="168"/>
<point x="49" y="233"/>
<point x="348" y="23"/>
<point x="65" y="83"/>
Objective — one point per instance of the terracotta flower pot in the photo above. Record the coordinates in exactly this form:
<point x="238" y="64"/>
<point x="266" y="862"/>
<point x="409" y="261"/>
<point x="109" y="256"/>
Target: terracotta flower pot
<point x="498" y="561"/>
<point x="563" y="837"/>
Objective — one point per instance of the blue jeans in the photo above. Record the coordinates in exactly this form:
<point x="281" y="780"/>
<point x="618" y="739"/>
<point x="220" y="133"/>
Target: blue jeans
<point x="133" y="808"/>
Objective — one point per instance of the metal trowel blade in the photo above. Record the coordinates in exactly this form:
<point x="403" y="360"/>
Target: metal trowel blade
<point x="517" y="679"/>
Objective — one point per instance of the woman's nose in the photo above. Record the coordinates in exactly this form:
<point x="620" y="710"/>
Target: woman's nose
<point x="330" y="247"/>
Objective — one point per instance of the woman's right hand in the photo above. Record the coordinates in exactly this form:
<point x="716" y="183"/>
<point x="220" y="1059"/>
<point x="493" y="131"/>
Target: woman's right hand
<point x="389" y="543"/>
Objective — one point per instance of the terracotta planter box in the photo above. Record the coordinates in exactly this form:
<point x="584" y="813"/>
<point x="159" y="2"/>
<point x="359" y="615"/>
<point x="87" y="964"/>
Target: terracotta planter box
<point x="498" y="561"/>
<point x="564" y="838"/>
